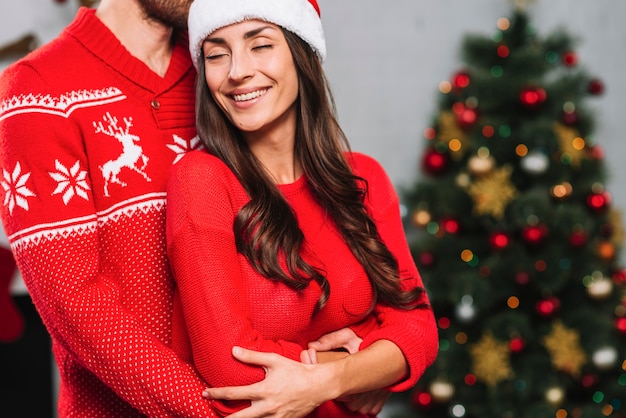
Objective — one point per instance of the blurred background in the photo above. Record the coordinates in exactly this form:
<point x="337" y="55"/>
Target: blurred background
<point x="389" y="63"/>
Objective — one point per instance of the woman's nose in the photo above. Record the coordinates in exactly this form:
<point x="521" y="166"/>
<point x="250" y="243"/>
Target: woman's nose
<point x="241" y="67"/>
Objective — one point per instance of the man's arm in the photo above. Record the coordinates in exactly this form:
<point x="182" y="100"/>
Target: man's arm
<point x="56" y="235"/>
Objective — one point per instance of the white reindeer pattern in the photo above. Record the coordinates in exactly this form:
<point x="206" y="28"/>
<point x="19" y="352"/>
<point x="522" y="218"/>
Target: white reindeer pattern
<point x="132" y="152"/>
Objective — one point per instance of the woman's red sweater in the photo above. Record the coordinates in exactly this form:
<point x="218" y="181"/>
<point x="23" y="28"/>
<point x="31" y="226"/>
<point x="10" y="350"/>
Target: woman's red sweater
<point x="224" y="302"/>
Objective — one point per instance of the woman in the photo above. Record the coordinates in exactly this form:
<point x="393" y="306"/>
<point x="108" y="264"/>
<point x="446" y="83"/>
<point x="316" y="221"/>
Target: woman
<point x="279" y="234"/>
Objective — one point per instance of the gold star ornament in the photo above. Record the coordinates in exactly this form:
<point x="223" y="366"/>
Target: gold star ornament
<point x="566" y="354"/>
<point x="449" y="133"/>
<point x="493" y="192"/>
<point x="571" y="143"/>
<point x="491" y="362"/>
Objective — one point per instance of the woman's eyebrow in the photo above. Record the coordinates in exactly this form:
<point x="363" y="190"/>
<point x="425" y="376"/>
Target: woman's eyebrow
<point x="247" y="35"/>
<point x="255" y="32"/>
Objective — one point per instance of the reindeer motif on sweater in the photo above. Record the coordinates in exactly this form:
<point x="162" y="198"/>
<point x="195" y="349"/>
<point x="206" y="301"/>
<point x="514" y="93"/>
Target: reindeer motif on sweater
<point x="132" y="152"/>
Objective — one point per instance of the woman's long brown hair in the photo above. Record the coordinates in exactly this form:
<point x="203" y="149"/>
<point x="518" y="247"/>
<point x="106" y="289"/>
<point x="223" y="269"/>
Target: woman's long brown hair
<point x="266" y="226"/>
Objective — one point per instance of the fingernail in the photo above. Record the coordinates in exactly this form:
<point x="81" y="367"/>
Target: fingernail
<point x="205" y="394"/>
<point x="237" y="350"/>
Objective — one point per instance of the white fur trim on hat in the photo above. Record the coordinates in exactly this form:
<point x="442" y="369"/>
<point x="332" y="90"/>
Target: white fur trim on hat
<point x="297" y="16"/>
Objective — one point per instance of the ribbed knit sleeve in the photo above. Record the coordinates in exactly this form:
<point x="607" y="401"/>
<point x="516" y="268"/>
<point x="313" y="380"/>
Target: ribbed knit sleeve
<point x="203" y="198"/>
<point x="414" y="331"/>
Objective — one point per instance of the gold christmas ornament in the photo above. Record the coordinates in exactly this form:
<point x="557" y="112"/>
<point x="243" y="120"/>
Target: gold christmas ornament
<point x="566" y="354"/>
<point x="572" y="145"/>
<point x="448" y="130"/>
<point x="493" y="192"/>
<point x="491" y="362"/>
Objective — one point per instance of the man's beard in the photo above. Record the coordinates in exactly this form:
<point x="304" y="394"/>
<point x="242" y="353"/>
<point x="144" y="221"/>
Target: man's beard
<point x="169" y="12"/>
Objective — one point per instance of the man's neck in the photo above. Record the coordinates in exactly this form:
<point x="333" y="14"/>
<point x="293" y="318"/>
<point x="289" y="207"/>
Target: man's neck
<point x="148" y="41"/>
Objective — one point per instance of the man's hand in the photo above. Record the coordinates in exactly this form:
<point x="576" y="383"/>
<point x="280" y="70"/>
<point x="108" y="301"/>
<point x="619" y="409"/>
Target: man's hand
<point x="290" y="389"/>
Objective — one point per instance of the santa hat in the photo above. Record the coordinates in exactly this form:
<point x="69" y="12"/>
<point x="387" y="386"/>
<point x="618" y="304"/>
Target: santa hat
<point x="301" y="17"/>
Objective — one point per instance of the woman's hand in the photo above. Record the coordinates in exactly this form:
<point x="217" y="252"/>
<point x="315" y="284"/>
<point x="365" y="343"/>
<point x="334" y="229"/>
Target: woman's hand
<point x="290" y="389"/>
<point x="344" y="338"/>
<point x="371" y="402"/>
<point x="322" y="350"/>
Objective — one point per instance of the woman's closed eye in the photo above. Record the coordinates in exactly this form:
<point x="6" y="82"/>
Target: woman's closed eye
<point x="262" y="47"/>
<point x="214" y="56"/>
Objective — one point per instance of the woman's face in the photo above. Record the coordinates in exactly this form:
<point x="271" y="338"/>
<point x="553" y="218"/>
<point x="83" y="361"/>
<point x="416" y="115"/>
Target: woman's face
<point x="250" y="72"/>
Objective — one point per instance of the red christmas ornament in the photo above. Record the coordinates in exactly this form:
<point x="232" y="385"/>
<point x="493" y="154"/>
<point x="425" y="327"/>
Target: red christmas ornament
<point x="465" y="117"/>
<point x="444" y="322"/>
<point x="570" y="118"/>
<point x="470" y="379"/>
<point x="461" y="80"/>
<point x="620" y="325"/>
<point x="547" y="307"/>
<point x="434" y="162"/>
<point x="426" y="259"/>
<point x="596" y="87"/>
<point x="451" y="226"/>
<point x="532" y="97"/>
<point x="499" y="240"/>
<point x="570" y="58"/>
<point x="516" y="345"/>
<point x="534" y="234"/>
<point x="422" y="399"/>
<point x="503" y="51"/>
<point x="588" y="381"/>
<point x="619" y="277"/>
<point x="578" y="238"/>
<point x="598" y="202"/>
<point x="596" y="152"/>
<point x="430" y="133"/>
<point x="522" y="278"/>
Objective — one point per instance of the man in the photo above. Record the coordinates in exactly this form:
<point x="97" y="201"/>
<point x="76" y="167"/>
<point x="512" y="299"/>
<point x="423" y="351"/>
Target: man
<point x="89" y="126"/>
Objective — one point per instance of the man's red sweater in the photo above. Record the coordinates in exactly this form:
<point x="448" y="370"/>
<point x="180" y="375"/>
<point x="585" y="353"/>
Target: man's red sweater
<point x="88" y="134"/>
<point x="224" y="302"/>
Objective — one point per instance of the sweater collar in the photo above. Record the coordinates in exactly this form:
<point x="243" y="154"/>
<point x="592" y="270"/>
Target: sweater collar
<point x="95" y="36"/>
<point x="289" y="189"/>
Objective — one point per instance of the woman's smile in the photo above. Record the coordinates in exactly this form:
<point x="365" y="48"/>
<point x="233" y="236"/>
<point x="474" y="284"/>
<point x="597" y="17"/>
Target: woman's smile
<point x="243" y="97"/>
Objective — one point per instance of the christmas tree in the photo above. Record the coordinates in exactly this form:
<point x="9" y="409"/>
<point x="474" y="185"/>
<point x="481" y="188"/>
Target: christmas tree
<point x="516" y="238"/>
